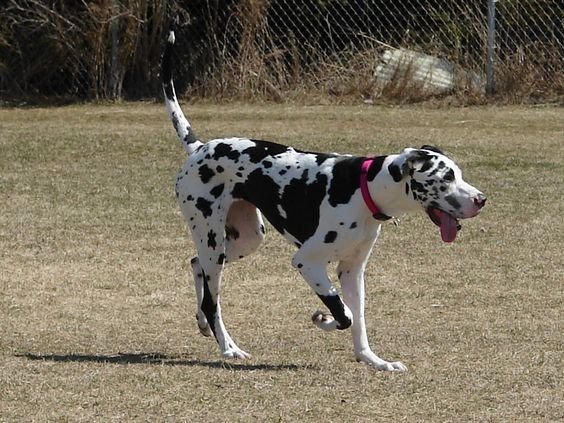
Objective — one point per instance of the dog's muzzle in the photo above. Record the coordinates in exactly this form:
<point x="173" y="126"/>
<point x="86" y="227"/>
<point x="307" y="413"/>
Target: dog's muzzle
<point x="449" y="224"/>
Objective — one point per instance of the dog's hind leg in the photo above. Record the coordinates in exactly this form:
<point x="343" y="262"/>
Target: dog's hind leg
<point x="209" y="236"/>
<point x="244" y="231"/>
<point x="210" y="267"/>
<point x="198" y="274"/>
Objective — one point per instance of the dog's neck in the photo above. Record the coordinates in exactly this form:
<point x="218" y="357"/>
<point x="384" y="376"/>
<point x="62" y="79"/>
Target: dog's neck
<point x="392" y="198"/>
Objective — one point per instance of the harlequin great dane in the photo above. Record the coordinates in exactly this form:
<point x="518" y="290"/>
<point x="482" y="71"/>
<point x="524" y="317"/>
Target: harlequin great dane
<point x="330" y="206"/>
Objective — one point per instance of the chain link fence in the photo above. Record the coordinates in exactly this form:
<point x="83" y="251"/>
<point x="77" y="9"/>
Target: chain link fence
<point x="376" y="47"/>
<point x="283" y="50"/>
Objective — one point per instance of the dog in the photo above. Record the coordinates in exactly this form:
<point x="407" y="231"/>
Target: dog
<point x="330" y="206"/>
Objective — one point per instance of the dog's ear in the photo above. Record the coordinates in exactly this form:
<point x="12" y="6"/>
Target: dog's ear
<point x="432" y="148"/>
<point x="405" y="162"/>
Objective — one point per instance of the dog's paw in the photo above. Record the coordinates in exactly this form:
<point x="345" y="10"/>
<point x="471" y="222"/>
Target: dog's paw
<point x="394" y="366"/>
<point x="373" y="360"/>
<point x="204" y="327"/>
<point x="324" y="320"/>
<point x="235" y="353"/>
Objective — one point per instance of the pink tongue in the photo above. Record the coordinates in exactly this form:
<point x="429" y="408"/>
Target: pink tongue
<point x="449" y="227"/>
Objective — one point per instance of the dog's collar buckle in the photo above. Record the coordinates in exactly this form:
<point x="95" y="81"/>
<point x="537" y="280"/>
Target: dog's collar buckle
<point x="374" y="209"/>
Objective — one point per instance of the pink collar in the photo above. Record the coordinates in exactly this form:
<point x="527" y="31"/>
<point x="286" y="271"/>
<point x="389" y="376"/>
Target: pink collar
<point x="365" y="167"/>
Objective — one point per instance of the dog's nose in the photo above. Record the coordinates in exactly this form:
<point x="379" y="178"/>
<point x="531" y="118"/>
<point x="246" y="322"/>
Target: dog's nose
<point x="480" y="200"/>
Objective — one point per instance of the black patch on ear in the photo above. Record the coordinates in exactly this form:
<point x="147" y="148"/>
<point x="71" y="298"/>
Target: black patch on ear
<point x="395" y="171"/>
<point x="432" y="148"/>
<point x="427" y="164"/>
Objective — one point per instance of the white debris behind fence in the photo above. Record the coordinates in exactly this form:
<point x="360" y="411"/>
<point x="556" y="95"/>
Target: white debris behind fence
<point x="432" y="74"/>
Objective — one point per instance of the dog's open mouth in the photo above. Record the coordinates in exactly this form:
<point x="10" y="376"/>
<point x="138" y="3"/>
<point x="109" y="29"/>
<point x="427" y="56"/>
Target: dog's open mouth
<point x="449" y="225"/>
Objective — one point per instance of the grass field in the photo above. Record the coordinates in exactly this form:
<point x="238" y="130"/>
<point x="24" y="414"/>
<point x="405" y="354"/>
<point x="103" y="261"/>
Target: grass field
<point x="97" y="309"/>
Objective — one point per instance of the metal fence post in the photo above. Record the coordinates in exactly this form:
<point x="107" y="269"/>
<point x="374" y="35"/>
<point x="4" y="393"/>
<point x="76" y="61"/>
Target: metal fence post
<point x="490" y="83"/>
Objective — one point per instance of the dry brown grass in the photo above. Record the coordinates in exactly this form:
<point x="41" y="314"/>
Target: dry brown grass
<point x="97" y="310"/>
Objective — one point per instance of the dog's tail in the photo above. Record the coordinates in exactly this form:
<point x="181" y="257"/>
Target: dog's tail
<point x="183" y="128"/>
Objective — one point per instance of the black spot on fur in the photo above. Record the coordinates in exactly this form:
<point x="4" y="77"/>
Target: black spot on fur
<point x="346" y="178"/>
<point x="225" y="150"/>
<point x="221" y="259"/>
<point x="205" y="173"/>
<point x="330" y="237"/>
<point x="417" y="187"/>
<point x="453" y="202"/>
<point x="353" y="225"/>
<point x="320" y="158"/>
<point x="449" y="175"/>
<point x="204" y="206"/>
<point x="267" y="164"/>
<point x="263" y="149"/>
<point x="211" y="239"/>
<point x="301" y="202"/>
<point x="217" y="190"/>
<point x="219" y="169"/>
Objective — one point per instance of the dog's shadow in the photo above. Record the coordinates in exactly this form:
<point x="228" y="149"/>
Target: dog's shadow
<point x="158" y="359"/>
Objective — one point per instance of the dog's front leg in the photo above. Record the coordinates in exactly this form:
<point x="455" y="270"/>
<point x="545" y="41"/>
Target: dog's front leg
<point x="351" y="275"/>
<point x="315" y="274"/>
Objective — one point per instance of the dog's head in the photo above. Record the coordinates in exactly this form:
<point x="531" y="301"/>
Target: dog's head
<point x="435" y="182"/>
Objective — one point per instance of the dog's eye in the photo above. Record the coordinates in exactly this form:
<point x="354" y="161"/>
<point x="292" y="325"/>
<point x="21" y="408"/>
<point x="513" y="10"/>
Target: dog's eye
<point x="449" y="176"/>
